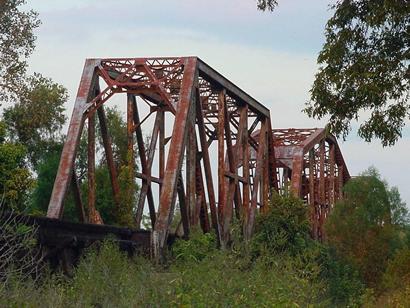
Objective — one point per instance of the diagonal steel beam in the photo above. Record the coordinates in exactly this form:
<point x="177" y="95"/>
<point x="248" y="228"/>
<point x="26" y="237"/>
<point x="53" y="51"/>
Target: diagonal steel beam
<point x="65" y="168"/>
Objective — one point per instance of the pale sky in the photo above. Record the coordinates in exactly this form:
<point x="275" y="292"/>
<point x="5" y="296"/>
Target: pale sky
<point x="272" y="56"/>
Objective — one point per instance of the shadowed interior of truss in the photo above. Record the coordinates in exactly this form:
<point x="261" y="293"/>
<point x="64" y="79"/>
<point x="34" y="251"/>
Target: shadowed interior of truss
<point x="311" y="165"/>
<point x="211" y="152"/>
<point x="200" y="127"/>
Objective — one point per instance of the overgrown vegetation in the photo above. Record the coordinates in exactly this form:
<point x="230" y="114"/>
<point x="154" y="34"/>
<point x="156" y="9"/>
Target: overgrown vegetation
<point x="281" y="266"/>
<point x="365" y="260"/>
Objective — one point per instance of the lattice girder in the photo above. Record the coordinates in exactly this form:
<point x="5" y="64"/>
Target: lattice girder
<point x="205" y="109"/>
<point x="311" y="164"/>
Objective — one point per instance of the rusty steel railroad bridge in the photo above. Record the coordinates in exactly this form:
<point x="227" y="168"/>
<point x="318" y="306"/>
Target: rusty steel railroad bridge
<point x="212" y="150"/>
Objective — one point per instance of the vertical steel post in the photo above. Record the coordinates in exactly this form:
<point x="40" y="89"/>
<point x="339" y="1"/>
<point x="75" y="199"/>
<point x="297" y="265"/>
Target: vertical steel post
<point x="92" y="211"/>
<point x="245" y="165"/>
<point x="332" y="197"/>
<point x="161" y="147"/>
<point x="130" y="134"/>
<point x="322" y="192"/>
<point x="146" y="163"/>
<point x="257" y="179"/>
<point x="191" y="166"/>
<point x="221" y="158"/>
<point x="312" y="198"/>
<point x="207" y="165"/>
<point x="175" y="156"/>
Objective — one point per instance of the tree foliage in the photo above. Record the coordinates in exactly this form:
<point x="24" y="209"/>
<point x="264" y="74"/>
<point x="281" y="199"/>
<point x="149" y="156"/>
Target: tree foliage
<point x="16" y="180"/>
<point x="397" y="273"/>
<point x="117" y="129"/>
<point x="264" y="5"/>
<point x="364" y="69"/>
<point x="17" y="42"/>
<point x="284" y="227"/>
<point x="46" y="172"/>
<point x="112" y="215"/>
<point x="364" y="228"/>
<point x="36" y="119"/>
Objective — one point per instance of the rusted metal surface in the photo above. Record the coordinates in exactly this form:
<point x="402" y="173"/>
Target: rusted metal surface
<point x="311" y="159"/>
<point x="216" y="160"/>
<point x="65" y="168"/>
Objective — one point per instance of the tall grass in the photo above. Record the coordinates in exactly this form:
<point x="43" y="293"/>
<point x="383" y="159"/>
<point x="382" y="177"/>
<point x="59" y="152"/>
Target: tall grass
<point x="108" y="278"/>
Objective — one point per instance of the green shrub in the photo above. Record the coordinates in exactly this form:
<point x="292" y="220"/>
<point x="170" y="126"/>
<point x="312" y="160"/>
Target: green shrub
<point x="106" y="277"/>
<point x="283" y="228"/>
<point x="103" y="278"/>
<point x="199" y="246"/>
<point x="397" y="273"/>
<point x="344" y="285"/>
<point x="364" y="228"/>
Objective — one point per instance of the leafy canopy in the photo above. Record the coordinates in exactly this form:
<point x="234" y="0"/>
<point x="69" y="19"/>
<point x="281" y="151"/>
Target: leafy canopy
<point x="17" y="42"/>
<point x="264" y="5"/>
<point x="37" y="117"/>
<point x="364" y="69"/>
<point x="15" y="178"/>
<point x="284" y="227"/>
<point x="364" y="228"/>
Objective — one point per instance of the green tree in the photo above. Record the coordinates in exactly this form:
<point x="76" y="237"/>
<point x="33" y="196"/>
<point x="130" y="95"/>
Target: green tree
<point x="284" y="227"/>
<point x="36" y="119"/>
<point x="16" y="180"/>
<point x="46" y="171"/>
<point x="47" y="166"/>
<point x="397" y="274"/>
<point x="117" y="128"/>
<point x="124" y="214"/>
<point x="17" y="42"/>
<point x="364" y="69"/>
<point x="128" y="195"/>
<point x="364" y="228"/>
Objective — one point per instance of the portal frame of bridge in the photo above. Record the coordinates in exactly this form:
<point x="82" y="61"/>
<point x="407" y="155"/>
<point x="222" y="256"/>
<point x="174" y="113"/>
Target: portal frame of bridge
<point x="205" y="108"/>
<point x="311" y="165"/>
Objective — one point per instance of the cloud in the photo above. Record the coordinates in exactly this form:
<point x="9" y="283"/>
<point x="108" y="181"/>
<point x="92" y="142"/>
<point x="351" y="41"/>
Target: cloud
<point x="270" y="56"/>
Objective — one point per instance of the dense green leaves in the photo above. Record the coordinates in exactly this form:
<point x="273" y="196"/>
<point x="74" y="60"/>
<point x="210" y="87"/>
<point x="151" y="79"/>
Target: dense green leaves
<point x="36" y="119"/>
<point x="17" y="42"/>
<point x="284" y="227"/>
<point x="297" y="271"/>
<point x="106" y="277"/>
<point x="47" y="166"/>
<point x="46" y="173"/>
<point x="364" y="69"/>
<point x="365" y="228"/>
<point x="15" y="178"/>
<point x="117" y="128"/>
<point x="397" y="274"/>
<point x="199" y="247"/>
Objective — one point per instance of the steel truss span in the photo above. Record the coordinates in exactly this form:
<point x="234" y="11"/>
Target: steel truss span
<point x="310" y="164"/>
<point x="210" y="154"/>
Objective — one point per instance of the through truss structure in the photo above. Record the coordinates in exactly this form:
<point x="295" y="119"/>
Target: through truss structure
<point x="311" y="165"/>
<point x="211" y="151"/>
<point x="198" y="121"/>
